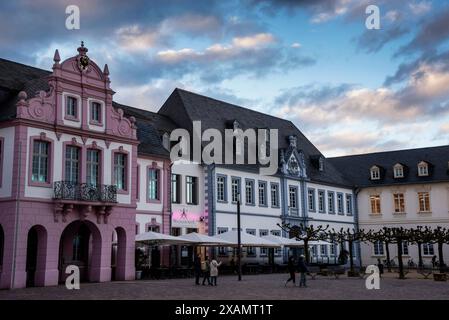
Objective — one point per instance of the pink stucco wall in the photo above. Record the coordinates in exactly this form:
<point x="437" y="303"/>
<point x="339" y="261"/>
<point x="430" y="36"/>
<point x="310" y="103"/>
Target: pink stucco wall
<point x="33" y="213"/>
<point x="20" y="212"/>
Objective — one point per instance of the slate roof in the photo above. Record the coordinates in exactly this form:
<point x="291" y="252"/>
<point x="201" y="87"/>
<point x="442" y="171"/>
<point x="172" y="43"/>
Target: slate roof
<point x="183" y="107"/>
<point x="16" y="77"/>
<point x="356" y="168"/>
<point x="150" y="128"/>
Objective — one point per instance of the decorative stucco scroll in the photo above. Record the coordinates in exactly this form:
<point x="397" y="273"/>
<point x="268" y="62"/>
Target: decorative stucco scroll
<point x="41" y="107"/>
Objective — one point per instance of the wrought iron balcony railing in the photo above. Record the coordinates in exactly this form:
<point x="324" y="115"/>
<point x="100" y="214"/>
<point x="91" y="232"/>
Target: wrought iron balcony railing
<point x="67" y="190"/>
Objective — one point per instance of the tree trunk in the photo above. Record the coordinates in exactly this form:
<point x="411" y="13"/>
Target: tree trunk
<point x="387" y="250"/>
<point x="306" y="250"/>
<point x="440" y="256"/>
<point x="351" y="261"/>
<point x="400" y="263"/>
<point x="341" y="255"/>
<point x="420" y="261"/>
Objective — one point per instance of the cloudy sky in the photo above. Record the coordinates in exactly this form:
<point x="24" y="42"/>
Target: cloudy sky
<point x="349" y="89"/>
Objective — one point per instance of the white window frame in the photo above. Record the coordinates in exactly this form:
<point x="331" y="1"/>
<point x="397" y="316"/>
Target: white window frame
<point x="423" y="169"/>
<point x="311" y="200"/>
<point x="376" y="209"/>
<point x="378" y="248"/>
<point x="426" y="248"/>
<point x="398" y="171"/>
<point x="375" y="173"/>
<point x="422" y="205"/>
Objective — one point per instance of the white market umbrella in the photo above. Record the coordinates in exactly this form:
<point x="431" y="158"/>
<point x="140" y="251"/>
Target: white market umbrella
<point x="204" y="240"/>
<point x="247" y="240"/>
<point x="156" y="238"/>
<point x="284" y="241"/>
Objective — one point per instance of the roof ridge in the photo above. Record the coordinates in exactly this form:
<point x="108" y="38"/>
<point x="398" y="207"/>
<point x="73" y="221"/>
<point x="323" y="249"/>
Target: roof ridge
<point x="388" y="151"/>
<point x="134" y="108"/>
<point x="232" y="104"/>
<point x="25" y="65"/>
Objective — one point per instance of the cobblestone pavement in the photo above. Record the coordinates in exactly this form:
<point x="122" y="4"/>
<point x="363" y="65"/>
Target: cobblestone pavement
<point x="253" y="287"/>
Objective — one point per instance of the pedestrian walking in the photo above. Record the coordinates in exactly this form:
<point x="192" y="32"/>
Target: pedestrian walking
<point x="302" y="268"/>
<point x="434" y="261"/>
<point x="233" y="266"/>
<point x="197" y="268"/>
<point x="205" y="266"/>
<point x="380" y="265"/>
<point x="291" y="270"/>
<point x="214" y="271"/>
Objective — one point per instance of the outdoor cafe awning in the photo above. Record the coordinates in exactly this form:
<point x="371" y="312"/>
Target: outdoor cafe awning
<point x="155" y="238"/>
<point x="284" y="241"/>
<point x="204" y="240"/>
<point x="247" y="240"/>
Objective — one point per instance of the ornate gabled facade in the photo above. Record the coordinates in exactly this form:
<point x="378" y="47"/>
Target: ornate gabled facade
<point x="69" y="162"/>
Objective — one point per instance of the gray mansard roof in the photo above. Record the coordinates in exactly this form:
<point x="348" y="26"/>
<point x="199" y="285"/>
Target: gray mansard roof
<point x="16" y="77"/>
<point x="183" y="107"/>
<point x="150" y="129"/>
<point x="356" y="168"/>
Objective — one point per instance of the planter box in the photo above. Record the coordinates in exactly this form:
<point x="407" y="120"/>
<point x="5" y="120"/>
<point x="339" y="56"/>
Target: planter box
<point x="439" y="277"/>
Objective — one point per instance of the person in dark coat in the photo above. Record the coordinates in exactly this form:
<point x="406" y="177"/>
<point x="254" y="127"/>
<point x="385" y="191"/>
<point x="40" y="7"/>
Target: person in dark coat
<point x="206" y="272"/>
<point x="291" y="270"/>
<point x="197" y="268"/>
<point x="302" y="268"/>
<point x="155" y="263"/>
<point x="380" y="265"/>
<point x="434" y="261"/>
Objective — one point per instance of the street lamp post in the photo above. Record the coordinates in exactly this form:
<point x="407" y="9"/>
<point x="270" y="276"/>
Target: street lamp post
<point x="239" y="240"/>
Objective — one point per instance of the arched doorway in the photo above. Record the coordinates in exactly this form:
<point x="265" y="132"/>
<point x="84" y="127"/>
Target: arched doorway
<point x="80" y="245"/>
<point x="36" y="254"/>
<point x="118" y="255"/>
<point x="2" y="245"/>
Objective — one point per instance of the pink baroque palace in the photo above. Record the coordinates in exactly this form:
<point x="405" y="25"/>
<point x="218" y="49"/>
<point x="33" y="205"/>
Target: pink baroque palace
<point x="70" y="161"/>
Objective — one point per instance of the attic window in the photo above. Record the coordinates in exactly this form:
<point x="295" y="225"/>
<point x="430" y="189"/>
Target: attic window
<point x="321" y="164"/>
<point x="235" y="125"/>
<point x="166" y="141"/>
<point x="398" y="170"/>
<point x="375" y="173"/>
<point x="423" y="169"/>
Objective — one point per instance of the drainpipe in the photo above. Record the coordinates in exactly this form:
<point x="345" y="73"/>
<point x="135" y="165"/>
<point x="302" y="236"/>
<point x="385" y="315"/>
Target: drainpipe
<point x="16" y="218"/>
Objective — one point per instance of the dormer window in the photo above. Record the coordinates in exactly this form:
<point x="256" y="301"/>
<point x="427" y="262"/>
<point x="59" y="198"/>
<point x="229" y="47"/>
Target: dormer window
<point x="321" y="164"/>
<point x="72" y="107"/>
<point x="398" y="170"/>
<point x="166" y="141"/>
<point x="235" y="125"/>
<point x="423" y="169"/>
<point x="375" y="173"/>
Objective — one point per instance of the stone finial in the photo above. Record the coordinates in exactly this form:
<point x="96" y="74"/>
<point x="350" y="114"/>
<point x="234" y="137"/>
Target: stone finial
<point x="82" y="50"/>
<point x="22" y="96"/>
<point x="106" y="70"/>
<point x="292" y="140"/>
<point x="56" y="57"/>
